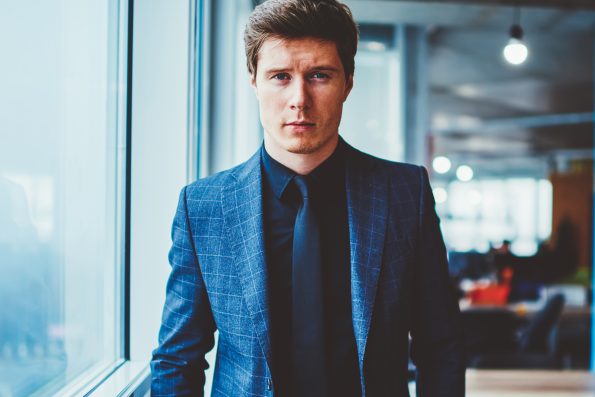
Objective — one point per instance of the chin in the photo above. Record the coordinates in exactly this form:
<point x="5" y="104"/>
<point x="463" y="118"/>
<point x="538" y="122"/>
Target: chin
<point x="304" y="148"/>
<point x="299" y="143"/>
<point x="307" y="145"/>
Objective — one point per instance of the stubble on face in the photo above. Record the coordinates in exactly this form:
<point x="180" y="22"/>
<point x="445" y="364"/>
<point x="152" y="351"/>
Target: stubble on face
<point x="306" y="145"/>
<point x="300" y="80"/>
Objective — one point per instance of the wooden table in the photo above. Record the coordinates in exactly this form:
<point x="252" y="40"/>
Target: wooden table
<point x="504" y="383"/>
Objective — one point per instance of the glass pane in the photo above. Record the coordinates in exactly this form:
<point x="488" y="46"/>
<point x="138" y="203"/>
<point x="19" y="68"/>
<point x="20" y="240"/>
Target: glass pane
<point x="372" y="113"/>
<point x="59" y="195"/>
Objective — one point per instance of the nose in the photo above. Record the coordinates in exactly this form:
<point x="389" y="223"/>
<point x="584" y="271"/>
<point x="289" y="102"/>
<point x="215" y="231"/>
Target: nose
<point x="300" y="97"/>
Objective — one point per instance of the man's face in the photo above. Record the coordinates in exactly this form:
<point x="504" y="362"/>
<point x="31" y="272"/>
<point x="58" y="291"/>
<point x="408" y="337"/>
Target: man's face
<point x="301" y="87"/>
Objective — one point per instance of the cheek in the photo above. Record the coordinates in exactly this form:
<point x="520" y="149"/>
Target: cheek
<point x="332" y="107"/>
<point x="270" y="110"/>
<point x="270" y="101"/>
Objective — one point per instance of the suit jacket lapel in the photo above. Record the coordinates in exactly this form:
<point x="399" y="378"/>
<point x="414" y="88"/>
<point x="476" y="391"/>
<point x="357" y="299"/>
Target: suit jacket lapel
<point x="367" y="212"/>
<point x="243" y="218"/>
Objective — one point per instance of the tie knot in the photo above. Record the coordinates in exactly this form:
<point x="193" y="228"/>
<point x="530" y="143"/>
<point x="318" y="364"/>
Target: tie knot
<point x="302" y="184"/>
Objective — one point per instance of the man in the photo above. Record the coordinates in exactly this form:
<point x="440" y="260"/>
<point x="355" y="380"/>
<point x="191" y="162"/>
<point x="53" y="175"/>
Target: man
<point x="314" y="261"/>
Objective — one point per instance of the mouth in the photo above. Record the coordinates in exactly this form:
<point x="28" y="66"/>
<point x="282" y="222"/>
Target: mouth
<point x="301" y="124"/>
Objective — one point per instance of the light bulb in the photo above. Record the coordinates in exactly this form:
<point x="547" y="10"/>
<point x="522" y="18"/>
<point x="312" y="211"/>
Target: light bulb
<point x="441" y="164"/>
<point x="464" y="173"/>
<point x="515" y="52"/>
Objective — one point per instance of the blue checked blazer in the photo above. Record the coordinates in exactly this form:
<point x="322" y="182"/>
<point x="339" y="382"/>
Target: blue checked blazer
<point x="399" y="286"/>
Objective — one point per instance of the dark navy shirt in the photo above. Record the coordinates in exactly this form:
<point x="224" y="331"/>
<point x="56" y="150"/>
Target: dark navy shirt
<point x="281" y="204"/>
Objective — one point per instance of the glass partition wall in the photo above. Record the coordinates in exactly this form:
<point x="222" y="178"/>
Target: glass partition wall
<point x="62" y="146"/>
<point x="509" y="150"/>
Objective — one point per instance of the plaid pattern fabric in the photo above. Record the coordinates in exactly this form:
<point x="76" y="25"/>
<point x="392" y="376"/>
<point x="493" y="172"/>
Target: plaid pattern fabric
<point x="218" y="281"/>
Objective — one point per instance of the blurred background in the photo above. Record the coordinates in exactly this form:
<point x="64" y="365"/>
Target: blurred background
<point x="496" y="100"/>
<point x="110" y="107"/>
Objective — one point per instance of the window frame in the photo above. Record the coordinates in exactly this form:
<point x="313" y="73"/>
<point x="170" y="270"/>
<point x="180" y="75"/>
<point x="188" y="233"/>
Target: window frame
<point x="130" y="375"/>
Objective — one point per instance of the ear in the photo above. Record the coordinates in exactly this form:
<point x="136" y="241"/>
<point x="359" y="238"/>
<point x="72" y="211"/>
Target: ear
<point x="253" y="83"/>
<point x="348" y="87"/>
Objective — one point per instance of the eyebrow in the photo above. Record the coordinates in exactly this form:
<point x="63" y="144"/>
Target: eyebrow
<point x="327" y="68"/>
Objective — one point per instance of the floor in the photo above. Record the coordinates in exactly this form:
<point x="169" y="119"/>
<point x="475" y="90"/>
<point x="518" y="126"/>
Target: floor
<point x="490" y="383"/>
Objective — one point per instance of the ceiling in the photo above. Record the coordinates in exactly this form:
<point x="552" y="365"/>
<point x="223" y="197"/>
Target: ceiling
<point x="503" y="119"/>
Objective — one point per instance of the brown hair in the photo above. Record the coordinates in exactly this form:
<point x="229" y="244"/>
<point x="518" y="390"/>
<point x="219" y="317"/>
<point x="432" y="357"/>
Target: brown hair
<point x="323" y="19"/>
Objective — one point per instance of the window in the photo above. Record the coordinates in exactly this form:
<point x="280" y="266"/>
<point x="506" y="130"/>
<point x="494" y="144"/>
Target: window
<point x="481" y="213"/>
<point x="233" y="131"/>
<point x="372" y="114"/>
<point x="61" y="196"/>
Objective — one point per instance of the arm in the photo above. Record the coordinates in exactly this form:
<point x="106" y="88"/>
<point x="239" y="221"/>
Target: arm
<point x="187" y="327"/>
<point x="437" y="344"/>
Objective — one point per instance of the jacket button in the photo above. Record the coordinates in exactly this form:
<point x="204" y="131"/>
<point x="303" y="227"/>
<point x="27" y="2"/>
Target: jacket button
<point x="269" y="384"/>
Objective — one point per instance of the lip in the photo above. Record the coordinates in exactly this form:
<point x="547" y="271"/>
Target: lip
<point x="301" y="124"/>
<point x="300" y="127"/>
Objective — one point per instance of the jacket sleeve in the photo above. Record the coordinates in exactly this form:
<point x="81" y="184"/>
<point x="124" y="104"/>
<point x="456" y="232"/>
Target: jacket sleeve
<point x="437" y="343"/>
<point x="187" y="326"/>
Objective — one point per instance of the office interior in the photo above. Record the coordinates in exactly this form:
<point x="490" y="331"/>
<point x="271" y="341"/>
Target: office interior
<point x="110" y="107"/>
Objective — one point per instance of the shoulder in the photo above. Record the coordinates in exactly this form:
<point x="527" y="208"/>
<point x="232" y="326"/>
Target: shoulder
<point x="213" y="185"/>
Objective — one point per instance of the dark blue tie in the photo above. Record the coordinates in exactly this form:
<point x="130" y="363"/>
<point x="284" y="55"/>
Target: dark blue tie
<point x="307" y="301"/>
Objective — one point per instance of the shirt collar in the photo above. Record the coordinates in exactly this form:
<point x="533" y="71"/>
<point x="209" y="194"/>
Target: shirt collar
<point x="279" y="176"/>
<point x="330" y="171"/>
<point x="276" y="173"/>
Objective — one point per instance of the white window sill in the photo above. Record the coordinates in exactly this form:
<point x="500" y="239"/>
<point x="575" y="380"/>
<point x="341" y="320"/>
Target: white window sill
<point x="131" y="379"/>
<point x="120" y="379"/>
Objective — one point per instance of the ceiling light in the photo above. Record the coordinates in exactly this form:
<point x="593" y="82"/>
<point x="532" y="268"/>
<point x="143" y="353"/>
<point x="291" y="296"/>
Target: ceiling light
<point x="464" y="173"/>
<point x="375" y="46"/>
<point x="441" y="164"/>
<point x="467" y="90"/>
<point x="516" y="52"/>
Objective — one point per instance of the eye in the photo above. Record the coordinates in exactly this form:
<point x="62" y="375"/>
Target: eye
<point x="280" y="76"/>
<point x="320" y="75"/>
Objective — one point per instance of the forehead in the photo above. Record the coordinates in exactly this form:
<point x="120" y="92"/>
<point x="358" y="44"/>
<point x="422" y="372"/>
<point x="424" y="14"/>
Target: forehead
<point x="281" y="52"/>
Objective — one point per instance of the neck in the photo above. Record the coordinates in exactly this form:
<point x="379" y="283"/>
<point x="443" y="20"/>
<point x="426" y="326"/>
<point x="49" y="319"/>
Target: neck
<point x="301" y="163"/>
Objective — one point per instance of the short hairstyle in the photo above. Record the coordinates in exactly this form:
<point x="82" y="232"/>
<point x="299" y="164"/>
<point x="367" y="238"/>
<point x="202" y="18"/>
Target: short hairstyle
<point x="322" y="19"/>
